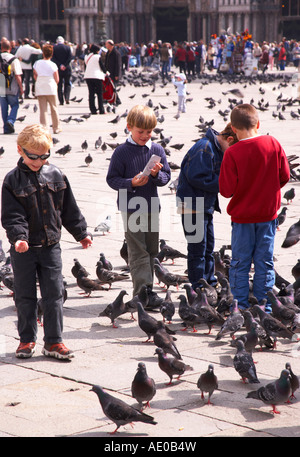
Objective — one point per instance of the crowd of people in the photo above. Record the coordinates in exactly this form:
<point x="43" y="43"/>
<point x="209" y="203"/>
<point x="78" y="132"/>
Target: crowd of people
<point x="44" y="70"/>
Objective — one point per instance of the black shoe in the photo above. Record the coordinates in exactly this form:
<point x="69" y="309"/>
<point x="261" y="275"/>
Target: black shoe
<point x="9" y="127"/>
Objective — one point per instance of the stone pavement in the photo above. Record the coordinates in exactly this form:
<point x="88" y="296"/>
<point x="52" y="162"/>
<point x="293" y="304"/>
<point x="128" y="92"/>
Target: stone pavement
<point x="42" y="397"/>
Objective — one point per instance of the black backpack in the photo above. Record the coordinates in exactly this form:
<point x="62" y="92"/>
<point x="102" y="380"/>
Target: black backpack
<point x="5" y="69"/>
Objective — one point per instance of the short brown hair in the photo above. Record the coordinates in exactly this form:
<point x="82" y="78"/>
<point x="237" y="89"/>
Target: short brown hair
<point x="142" y="116"/>
<point x="228" y="132"/>
<point x="244" y="117"/>
<point x="48" y="50"/>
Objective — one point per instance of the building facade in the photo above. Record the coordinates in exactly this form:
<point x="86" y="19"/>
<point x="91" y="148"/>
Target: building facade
<point x="148" y="20"/>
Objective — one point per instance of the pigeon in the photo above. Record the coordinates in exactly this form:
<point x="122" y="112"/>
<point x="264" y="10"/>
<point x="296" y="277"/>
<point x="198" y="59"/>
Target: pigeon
<point x="108" y="276"/>
<point x="293" y="235"/>
<point x="98" y="142"/>
<point x="294" y="380"/>
<point x="143" y="387"/>
<point x="167" y="308"/>
<point x="243" y="363"/>
<point x="233" y="322"/>
<point x="211" y="293"/>
<point x="2" y="150"/>
<point x="236" y="92"/>
<point x="148" y="324"/>
<point x="105" y="262"/>
<point x="281" y="216"/>
<point x="77" y="267"/>
<point x="142" y="297"/>
<point x="171" y="366"/>
<point x="296" y="270"/>
<point x="118" y="411"/>
<point x="116" y="308"/>
<point x="207" y="312"/>
<point x="165" y="341"/>
<point x="124" y="252"/>
<point x="87" y="285"/>
<point x="169" y="252"/>
<point x="64" y="150"/>
<point x="274" y="393"/>
<point x="208" y="382"/>
<point x="272" y="326"/>
<point x="284" y="314"/>
<point x="168" y="278"/>
<point x="88" y="160"/>
<point x="115" y="120"/>
<point x="188" y="314"/>
<point x="289" y="195"/>
<point x="84" y="145"/>
<point x="190" y="293"/>
<point x="250" y="339"/>
<point x="21" y="118"/>
<point x="104" y="226"/>
<point x="263" y="338"/>
<point x="177" y="146"/>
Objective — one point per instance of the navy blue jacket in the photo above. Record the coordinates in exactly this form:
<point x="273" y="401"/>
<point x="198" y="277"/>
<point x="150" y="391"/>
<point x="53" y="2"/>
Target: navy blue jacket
<point x="199" y="175"/>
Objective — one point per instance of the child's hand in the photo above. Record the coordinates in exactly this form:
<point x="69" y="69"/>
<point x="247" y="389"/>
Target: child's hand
<point x="21" y="246"/>
<point x="158" y="166"/>
<point x="86" y="242"/>
<point x="139" y="180"/>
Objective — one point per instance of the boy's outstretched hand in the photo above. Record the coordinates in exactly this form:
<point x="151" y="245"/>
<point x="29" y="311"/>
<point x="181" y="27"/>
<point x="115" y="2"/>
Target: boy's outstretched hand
<point x="21" y="246"/>
<point x="86" y="242"/>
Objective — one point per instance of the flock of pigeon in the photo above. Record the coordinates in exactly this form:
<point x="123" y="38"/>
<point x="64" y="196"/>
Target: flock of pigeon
<point x="213" y="307"/>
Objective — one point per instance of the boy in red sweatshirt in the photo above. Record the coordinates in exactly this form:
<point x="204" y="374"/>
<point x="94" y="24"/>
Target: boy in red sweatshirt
<point x="252" y="173"/>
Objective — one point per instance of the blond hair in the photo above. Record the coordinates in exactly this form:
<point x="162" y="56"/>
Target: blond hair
<point x="142" y="116"/>
<point x="35" y="137"/>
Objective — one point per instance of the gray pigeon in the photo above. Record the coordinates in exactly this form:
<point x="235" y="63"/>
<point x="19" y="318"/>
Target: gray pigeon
<point x="149" y="324"/>
<point x="142" y="297"/>
<point x="208" y="313"/>
<point x="169" y="252"/>
<point x="208" y="382"/>
<point x="243" y="363"/>
<point x="118" y="411"/>
<point x="116" y="308"/>
<point x="107" y="276"/>
<point x="188" y="314"/>
<point x="106" y="263"/>
<point x="104" y="226"/>
<point x="77" y="267"/>
<point x="168" y="278"/>
<point x="143" y="387"/>
<point x="233" y="322"/>
<point x="167" y="307"/>
<point x="211" y="293"/>
<point x="294" y="380"/>
<point x="272" y="326"/>
<point x="275" y="393"/>
<point x="283" y="313"/>
<point x="165" y="341"/>
<point x="88" y="285"/>
<point x="171" y="366"/>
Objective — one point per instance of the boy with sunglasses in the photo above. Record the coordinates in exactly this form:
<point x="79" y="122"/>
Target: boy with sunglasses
<point x="37" y="201"/>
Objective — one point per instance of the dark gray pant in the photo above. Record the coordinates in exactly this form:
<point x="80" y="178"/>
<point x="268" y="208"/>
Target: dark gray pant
<point x="45" y="264"/>
<point x="142" y="241"/>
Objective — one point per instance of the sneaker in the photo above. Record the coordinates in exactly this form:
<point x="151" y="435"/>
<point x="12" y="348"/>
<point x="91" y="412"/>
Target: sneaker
<point x="25" y="350"/>
<point x="57" y="350"/>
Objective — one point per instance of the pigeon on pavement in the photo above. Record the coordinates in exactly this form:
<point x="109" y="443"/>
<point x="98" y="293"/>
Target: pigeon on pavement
<point x="243" y="364"/>
<point x="107" y="276"/>
<point x="165" y="341"/>
<point x="171" y="366"/>
<point x="294" y="380"/>
<point x="208" y="313"/>
<point x="104" y="226"/>
<point x="116" y="308"/>
<point x="118" y="411"/>
<point x="169" y="252"/>
<point x="167" y="308"/>
<point x="149" y="324"/>
<point x="88" y="285"/>
<point x="211" y="293"/>
<point x="272" y="326"/>
<point x="143" y="387"/>
<point x="168" y="278"/>
<point x="289" y="195"/>
<point x="233" y="322"/>
<point x="188" y="314"/>
<point x="208" y="382"/>
<point x="77" y="267"/>
<point x="293" y="235"/>
<point x="274" y="393"/>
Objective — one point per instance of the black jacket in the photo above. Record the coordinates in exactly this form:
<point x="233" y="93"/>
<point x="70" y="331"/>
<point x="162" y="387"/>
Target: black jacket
<point x="35" y="206"/>
<point x="62" y="55"/>
<point x="113" y="63"/>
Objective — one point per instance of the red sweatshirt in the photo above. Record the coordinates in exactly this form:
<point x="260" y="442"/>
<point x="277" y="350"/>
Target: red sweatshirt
<point x="252" y="173"/>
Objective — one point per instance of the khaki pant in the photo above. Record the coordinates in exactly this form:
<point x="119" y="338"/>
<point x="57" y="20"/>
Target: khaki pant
<point x="142" y="241"/>
<point x="44" y="100"/>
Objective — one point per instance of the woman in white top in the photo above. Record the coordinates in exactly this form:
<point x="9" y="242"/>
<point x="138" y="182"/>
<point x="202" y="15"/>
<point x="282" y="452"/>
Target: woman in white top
<point x="94" y="75"/>
<point x="45" y="73"/>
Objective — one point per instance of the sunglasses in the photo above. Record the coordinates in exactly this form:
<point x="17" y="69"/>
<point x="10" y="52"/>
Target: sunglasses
<point x="36" y="156"/>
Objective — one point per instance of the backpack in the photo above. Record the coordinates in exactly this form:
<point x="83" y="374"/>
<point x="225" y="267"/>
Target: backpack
<point x="5" y="69"/>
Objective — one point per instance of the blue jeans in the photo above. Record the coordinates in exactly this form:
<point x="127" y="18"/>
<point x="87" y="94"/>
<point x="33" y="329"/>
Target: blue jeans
<point x="252" y="242"/>
<point x="46" y="264"/>
<point x="11" y="101"/>
<point x="164" y="69"/>
<point x="200" y="260"/>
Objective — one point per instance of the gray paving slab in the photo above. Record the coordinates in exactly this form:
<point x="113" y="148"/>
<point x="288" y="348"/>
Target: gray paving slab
<point x="42" y="397"/>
